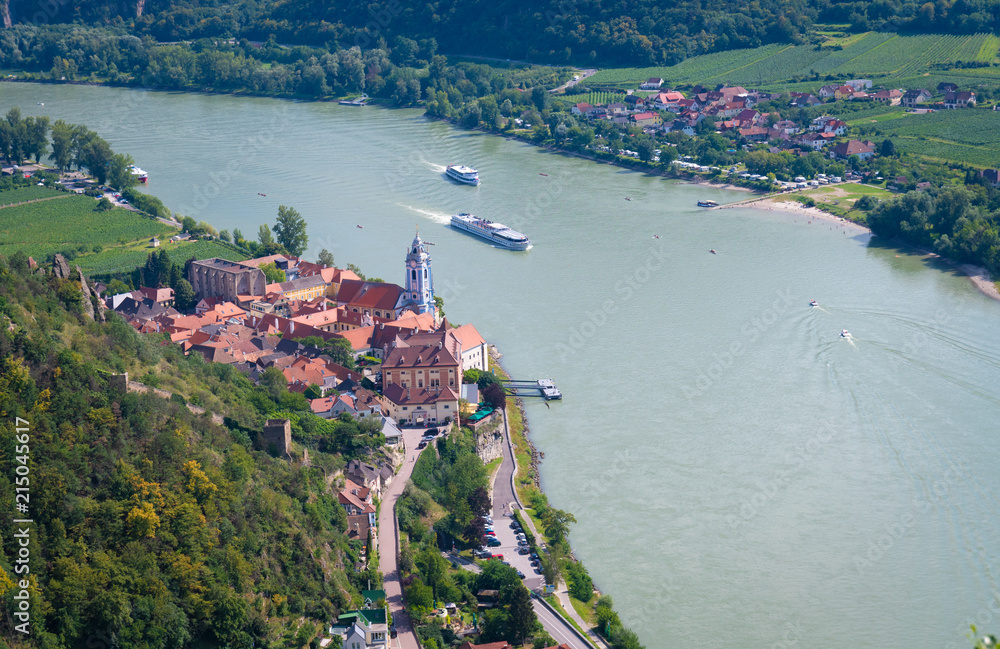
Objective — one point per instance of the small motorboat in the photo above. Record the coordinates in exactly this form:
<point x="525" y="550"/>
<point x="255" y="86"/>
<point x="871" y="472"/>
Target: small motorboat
<point x="360" y="227"/>
<point x="712" y="251"/>
<point x="813" y="303"/>
<point x="844" y="333"/>
<point x="40" y="104"/>
<point x="259" y="194"/>
<point x="707" y="204"/>
<point x="541" y="174"/>
<point x="627" y="198"/>
<point x="656" y="236"/>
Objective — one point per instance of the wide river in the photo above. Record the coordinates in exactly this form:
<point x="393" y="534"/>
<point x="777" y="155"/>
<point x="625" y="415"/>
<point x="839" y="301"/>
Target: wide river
<point x="742" y="476"/>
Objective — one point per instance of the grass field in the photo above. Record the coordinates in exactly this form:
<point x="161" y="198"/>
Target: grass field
<point x="839" y="199"/>
<point x="882" y="57"/>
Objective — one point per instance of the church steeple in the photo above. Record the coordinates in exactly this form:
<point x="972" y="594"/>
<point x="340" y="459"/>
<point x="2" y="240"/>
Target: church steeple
<point x="419" y="280"/>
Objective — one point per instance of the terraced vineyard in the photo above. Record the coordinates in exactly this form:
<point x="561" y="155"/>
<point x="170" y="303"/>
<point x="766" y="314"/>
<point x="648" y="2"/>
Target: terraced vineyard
<point x="124" y="259"/>
<point x="593" y="98"/>
<point x="969" y="136"/>
<point x="27" y="194"/>
<point x="49" y="226"/>
<point x="885" y="58"/>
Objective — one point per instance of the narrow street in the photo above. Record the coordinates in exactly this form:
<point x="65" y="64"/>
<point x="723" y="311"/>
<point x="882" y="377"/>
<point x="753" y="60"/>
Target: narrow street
<point x="388" y="542"/>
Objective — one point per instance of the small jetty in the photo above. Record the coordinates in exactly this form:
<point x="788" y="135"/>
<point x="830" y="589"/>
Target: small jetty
<point x="358" y="101"/>
<point x="543" y="388"/>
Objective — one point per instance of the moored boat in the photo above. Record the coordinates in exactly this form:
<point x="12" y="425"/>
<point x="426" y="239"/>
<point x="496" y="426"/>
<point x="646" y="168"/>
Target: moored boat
<point x="496" y="233"/>
<point x="462" y="174"/>
<point x="142" y="175"/>
<point x="707" y="204"/>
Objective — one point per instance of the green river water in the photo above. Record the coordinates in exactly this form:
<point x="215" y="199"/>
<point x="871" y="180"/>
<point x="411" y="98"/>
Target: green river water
<point x="742" y="476"/>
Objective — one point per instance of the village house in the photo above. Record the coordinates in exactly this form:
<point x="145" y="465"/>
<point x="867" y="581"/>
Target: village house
<point x="787" y="126"/>
<point x="891" y="97"/>
<point x="964" y="99"/>
<point x="162" y="296"/>
<point x="646" y="119"/>
<point x="581" y="108"/>
<point x="422" y="406"/>
<point x="617" y="109"/>
<point x="668" y="101"/>
<point x="302" y="288"/>
<point x="754" y="134"/>
<point x="947" y="86"/>
<point x="992" y="176"/>
<point x="859" y="84"/>
<point x="362" y="629"/>
<point x="827" y="91"/>
<point x="844" y="150"/>
<point x="805" y="100"/>
<point x="915" y="96"/>
<point x="653" y="83"/>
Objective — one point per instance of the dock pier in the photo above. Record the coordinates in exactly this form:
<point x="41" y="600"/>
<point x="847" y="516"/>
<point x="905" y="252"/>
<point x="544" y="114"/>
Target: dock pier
<point x="543" y="388"/>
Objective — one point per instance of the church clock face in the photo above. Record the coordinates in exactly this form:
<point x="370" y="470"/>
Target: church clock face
<point x="413" y="264"/>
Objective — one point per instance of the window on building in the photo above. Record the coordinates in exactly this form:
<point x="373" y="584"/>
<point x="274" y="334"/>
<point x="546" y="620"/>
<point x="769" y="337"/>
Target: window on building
<point x="413" y="275"/>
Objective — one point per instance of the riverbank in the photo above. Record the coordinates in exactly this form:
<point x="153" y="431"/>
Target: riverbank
<point x="979" y="276"/>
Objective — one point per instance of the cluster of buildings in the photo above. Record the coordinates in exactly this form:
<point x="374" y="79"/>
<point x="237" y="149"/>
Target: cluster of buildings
<point x="732" y="107"/>
<point x="410" y="360"/>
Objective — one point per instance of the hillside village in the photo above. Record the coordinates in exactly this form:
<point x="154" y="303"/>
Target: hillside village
<point x="409" y="359"/>
<point x="734" y="112"/>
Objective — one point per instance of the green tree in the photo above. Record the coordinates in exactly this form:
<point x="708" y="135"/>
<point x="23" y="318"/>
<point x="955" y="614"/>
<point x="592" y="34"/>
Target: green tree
<point x="264" y="235"/>
<point x="62" y="145"/>
<point x="644" y="146"/>
<point x="184" y="295"/>
<point x="224" y="236"/>
<point x="290" y="230"/>
<point x="521" y="621"/>
<point x="104" y="205"/>
<point x="120" y="174"/>
<point x="326" y="258"/>
<point x="273" y="273"/>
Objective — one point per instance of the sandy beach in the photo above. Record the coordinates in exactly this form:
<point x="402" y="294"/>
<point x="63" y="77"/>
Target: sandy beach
<point x="979" y="276"/>
<point x="794" y="207"/>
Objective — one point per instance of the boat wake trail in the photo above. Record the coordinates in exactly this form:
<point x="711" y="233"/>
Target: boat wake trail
<point x="436" y="167"/>
<point x="437" y="217"/>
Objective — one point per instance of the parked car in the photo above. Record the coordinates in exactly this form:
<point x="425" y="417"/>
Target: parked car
<point x="522" y="550"/>
<point x="496" y="556"/>
<point x="421" y="445"/>
<point x="493" y="542"/>
<point x="520" y="574"/>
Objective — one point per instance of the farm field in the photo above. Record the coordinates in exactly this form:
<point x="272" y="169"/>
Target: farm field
<point x="28" y="194"/>
<point x="122" y="259"/>
<point x="70" y="222"/>
<point x="592" y="98"/>
<point x="969" y="136"/>
<point x="882" y="57"/>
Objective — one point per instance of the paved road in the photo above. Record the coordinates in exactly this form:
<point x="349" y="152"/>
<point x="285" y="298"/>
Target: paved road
<point x="560" y="631"/>
<point x="388" y="541"/>
<point x="503" y="500"/>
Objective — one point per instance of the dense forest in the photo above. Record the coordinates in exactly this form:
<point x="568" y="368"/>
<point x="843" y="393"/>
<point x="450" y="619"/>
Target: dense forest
<point x="154" y="527"/>
<point x="632" y="32"/>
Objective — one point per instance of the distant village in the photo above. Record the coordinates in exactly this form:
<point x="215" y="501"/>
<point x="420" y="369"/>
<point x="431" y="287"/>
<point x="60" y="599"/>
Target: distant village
<point x="732" y="109"/>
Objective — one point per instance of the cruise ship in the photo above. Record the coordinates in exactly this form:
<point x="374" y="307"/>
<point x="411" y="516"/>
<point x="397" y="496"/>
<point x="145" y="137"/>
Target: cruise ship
<point x="496" y="233"/>
<point x="463" y="174"/>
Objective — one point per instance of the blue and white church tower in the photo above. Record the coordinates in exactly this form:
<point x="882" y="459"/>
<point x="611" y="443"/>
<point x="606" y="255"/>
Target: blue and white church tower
<point x="419" y="280"/>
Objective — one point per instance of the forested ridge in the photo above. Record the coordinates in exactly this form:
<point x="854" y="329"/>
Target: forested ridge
<point x="630" y="32"/>
<point x="155" y="527"/>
